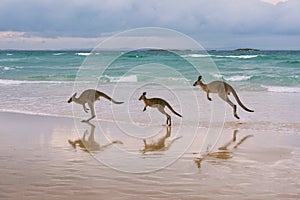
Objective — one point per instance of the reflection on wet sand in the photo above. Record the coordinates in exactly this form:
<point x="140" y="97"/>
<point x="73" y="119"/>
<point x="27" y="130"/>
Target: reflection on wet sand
<point x="90" y="145"/>
<point x="159" y="144"/>
<point x="223" y="151"/>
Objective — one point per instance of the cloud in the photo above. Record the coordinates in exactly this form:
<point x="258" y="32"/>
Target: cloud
<point x="11" y="34"/>
<point x="19" y="40"/>
<point x="274" y="2"/>
<point x="95" y="18"/>
<point x="145" y="38"/>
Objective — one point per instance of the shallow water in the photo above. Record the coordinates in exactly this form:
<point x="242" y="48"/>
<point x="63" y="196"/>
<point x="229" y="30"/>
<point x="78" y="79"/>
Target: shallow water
<point x="40" y="82"/>
<point x="38" y="162"/>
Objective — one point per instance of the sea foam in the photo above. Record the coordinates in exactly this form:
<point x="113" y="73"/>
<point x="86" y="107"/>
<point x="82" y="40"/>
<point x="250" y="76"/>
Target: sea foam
<point x="219" y="56"/>
<point x="238" y="78"/>
<point x="282" y="89"/>
<point x="116" y="79"/>
<point x="83" y="54"/>
<point x="19" y="82"/>
<point x="196" y="55"/>
<point x="58" y="54"/>
<point x="7" y="68"/>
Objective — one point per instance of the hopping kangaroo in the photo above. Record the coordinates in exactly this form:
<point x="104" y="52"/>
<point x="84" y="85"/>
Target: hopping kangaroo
<point x="89" y="96"/>
<point x="223" y="89"/>
<point x="160" y="104"/>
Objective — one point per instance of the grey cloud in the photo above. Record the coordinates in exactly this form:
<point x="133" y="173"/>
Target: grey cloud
<point x="93" y="18"/>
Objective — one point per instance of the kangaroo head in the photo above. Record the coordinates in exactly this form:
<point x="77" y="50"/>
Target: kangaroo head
<point x="72" y="97"/>
<point x="142" y="96"/>
<point x="198" y="81"/>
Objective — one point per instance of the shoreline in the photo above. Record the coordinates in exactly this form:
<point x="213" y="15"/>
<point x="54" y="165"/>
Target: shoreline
<point x="229" y="122"/>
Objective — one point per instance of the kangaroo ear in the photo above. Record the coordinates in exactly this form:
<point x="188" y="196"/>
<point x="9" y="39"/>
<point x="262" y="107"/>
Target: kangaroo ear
<point x="199" y="78"/>
<point x="144" y="93"/>
<point x="75" y="94"/>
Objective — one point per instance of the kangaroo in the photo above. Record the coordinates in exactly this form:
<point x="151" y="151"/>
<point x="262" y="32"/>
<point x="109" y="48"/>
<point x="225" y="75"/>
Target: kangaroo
<point x="89" y="96"/>
<point x="160" y="104"/>
<point x="223" y="89"/>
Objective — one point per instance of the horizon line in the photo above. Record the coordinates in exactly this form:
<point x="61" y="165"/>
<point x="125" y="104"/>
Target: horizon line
<point x="126" y="49"/>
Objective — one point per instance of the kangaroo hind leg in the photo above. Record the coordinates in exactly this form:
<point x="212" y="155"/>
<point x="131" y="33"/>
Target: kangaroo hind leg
<point x="91" y="106"/>
<point x="162" y="110"/>
<point x="226" y="99"/>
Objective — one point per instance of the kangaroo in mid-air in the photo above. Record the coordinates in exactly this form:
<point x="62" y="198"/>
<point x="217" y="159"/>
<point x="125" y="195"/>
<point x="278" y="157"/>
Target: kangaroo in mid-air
<point x="160" y="104"/>
<point x="223" y="89"/>
<point x="89" y="96"/>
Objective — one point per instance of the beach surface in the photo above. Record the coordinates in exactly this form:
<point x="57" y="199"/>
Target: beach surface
<point x="37" y="161"/>
<point x="125" y="153"/>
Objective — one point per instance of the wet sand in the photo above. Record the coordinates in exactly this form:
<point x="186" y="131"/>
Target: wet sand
<point x="38" y="161"/>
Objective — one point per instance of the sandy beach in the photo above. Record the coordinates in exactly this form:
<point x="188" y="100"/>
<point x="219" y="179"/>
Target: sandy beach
<point x="150" y="100"/>
<point x="38" y="162"/>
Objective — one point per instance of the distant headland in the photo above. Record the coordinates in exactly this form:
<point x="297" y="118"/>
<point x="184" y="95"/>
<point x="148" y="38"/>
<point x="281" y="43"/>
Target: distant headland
<point x="246" y="49"/>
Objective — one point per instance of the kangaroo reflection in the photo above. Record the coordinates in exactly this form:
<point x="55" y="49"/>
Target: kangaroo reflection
<point x="160" y="144"/>
<point x="223" y="151"/>
<point x="90" y="145"/>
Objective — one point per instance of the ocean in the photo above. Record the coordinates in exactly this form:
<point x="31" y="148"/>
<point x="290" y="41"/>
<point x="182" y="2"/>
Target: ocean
<point x="40" y="82"/>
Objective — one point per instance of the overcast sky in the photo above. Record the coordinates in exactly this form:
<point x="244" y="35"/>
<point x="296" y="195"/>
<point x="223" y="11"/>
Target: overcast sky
<point x="215" y="24"/>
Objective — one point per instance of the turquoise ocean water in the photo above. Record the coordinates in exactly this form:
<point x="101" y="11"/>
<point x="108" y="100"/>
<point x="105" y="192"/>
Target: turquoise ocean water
<point x="40" y="81"/>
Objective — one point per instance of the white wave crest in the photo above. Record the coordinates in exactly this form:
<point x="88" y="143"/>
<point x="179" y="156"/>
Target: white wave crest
<point x="83" y="54"/>
<point x="25" y="112"/>
<point x="130" y="78"/>
<point x="10" y="82"/>
<point x="195" y="55"/>
<point x="19" y="82"/>
<point x="11" y="59"/>
<point x="7" y="68"/>
<point x="58" y="54"/>
<point x="238" y="78"/>
<point x="282" y="89"/>
<point x="217" y="75"/>
<point x="178" y="79"/>
<point x="219" y="56"/>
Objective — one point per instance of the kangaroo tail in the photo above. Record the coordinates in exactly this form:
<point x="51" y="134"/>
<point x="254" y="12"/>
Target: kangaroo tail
<point x="239" y="101"/>
<point x="108" y="97"/>
<point x="173" y="111"/>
